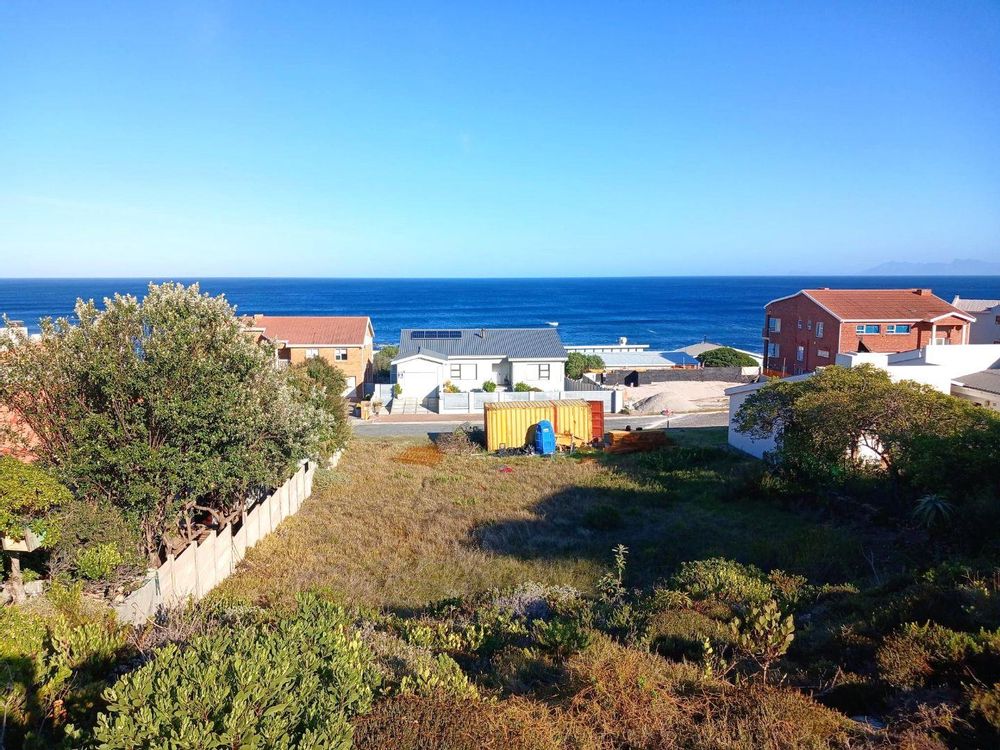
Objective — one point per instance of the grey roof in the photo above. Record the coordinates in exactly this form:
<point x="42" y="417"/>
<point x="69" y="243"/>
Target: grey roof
<point x="975" y="305"/>
<point x="986" y="380"/>
<point x="517" y="343"/>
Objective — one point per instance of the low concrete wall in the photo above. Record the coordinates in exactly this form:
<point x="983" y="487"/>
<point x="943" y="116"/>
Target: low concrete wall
<point x="205" y="564"/>
<point x="472" y="401"/>
<point x="648" y="377"/>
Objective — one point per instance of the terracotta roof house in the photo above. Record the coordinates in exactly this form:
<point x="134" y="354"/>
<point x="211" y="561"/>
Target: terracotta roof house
<point x="344" y="341"/>
<point x="808" y="329"/>
<point x="986" y="329"/>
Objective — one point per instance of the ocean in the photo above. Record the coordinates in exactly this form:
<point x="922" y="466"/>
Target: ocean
<point x="664" y="312"/>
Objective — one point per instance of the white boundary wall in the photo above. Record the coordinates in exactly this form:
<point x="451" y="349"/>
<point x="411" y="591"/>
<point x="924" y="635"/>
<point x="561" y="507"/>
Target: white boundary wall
<point x="205" y="564"/>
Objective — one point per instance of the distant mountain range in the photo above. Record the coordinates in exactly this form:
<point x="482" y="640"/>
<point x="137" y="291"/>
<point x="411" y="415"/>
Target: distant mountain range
<point x="958" y="267"/>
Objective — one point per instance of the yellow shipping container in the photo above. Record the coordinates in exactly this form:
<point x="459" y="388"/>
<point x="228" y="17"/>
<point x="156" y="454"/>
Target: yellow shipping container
<point x="510" y="424"/>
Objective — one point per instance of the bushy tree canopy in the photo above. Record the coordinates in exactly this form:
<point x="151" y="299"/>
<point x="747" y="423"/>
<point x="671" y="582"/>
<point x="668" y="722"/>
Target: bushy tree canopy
<point x="577" y="364"/>
<point x="726" y="356"/>
<point x="843" y="420"/>
<point x="322" y="385"/>
<point x="164" y="406"/>
<point x="27" y="495"/>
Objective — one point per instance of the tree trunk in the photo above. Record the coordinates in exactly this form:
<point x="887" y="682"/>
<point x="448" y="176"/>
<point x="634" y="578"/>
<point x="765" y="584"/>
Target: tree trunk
<point x="16" y="582"/>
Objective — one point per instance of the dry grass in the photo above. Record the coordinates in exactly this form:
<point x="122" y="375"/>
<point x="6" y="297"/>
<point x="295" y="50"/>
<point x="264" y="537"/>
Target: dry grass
<point x="383" y="533"/>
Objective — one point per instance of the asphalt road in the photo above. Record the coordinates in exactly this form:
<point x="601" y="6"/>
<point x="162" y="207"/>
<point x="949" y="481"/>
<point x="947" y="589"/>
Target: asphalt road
<point x="616" y="422"/>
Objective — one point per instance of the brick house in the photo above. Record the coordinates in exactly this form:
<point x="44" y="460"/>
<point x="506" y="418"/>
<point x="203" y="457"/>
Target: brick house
<point x="345" y="342"/>
<point x="808" y="329"/>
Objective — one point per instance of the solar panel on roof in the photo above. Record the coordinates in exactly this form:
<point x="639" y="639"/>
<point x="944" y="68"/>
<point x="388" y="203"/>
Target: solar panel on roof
<point x="420" y="335"/>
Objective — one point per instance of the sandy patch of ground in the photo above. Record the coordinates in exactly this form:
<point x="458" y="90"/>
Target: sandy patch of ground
<point x="683" y="396"/>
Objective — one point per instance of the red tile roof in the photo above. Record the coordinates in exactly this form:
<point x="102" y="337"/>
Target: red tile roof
<point x="324" y="330"/>
<point x="884" y="304"/>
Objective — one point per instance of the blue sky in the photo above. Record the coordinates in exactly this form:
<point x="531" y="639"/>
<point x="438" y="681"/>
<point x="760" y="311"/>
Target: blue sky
<point x="496" y="139"/>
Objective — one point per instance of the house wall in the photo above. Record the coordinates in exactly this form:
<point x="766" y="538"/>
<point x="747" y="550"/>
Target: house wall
<point x="978" y="397"/>
<point x="790" y="337"/>
<point x="357" y="365"/>
<point x="799" y="316"/>
<point x="986" y="329"/>
<point x="496" y="369"/>
<point x="526" y="372"/>
<point x="741" y="441"/>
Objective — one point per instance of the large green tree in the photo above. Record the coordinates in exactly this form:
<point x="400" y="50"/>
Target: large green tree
<point x="165" y="407"/>
<point x="846" y="420"/>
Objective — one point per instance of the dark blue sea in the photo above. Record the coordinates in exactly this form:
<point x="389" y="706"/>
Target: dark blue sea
<point x="665" y="312"/>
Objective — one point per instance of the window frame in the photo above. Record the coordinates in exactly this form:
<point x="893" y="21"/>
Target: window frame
<point x="337" y="355"/>
<point x="891" y="329"/>
<point x="800" y="353"/>
<point x="547" y="367"/>
<point x="312" y="353"/>
<point x="862" y="329"/>
<point x="820" y="329"/>
<point x="773" y="324"/>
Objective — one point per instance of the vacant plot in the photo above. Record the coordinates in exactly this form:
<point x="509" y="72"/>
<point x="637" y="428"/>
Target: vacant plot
<point x="380" y="532"/>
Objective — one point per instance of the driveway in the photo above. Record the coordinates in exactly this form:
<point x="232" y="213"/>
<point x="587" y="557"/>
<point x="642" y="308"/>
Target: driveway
<point x="611" y="422"/>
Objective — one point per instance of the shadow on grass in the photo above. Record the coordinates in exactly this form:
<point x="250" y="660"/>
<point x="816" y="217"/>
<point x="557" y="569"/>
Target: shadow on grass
<point x="681" y="504"/>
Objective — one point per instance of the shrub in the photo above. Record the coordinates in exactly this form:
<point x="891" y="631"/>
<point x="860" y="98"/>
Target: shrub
<point x="322" y="386"/>
<point x="726" y="356"/>
<point x="89" y="526"/>
<point x="763" y="636"/>
<point x="524" y="388"/>
<point x="681" y="633"/>
<point x="98" y="562"/>
<point x="728" y="581"/>
<point x="925" y="654"/>
<point x="58" y="655"/>
<point x="489" y="386"/>
<point x="397" y="390"/>
<point x="27" y="496"/>
<point x="450" y="387"/>
<point x="562" y="636"/>
<point x="294" y="684"/>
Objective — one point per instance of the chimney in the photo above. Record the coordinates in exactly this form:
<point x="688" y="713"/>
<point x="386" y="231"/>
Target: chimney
<point x="923" y="292"/>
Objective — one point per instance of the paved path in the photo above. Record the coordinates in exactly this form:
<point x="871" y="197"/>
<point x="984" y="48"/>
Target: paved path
<point x="380" y="428"/>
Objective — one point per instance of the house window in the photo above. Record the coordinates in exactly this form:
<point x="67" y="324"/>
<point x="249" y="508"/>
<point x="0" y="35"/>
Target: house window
<point x="800" y="353"/>
<point x="312" y="353"/>
<point x="774" y="325"/>
<point x="819" y="329"/>
<point x="809" y="325"/>
<point x="463" y="372"/>
<point x="863" y="328"/>
<point x="340" y="355"/>
<point x="898" y="328"/>
<point x="544" y="372"/>
<point x="800" y="324"/>
<point x="772" y="350"/>
<point x="823" y="353"/>
<point x="997" y="320"/>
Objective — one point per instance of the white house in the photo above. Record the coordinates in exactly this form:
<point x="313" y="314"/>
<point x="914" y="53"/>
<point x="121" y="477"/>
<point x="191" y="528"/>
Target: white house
<point x="467" y="358"/>
<point x="986" y="329"/>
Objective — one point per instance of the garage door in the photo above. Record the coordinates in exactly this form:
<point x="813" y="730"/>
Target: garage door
<point x="418" y="384"/>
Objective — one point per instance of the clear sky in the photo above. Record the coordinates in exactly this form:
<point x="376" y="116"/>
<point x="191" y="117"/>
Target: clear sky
<point x="496" y="139"/>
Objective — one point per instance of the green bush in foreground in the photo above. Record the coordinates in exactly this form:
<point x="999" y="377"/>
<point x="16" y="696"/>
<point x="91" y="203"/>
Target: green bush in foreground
<point x="291" y="685"/>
